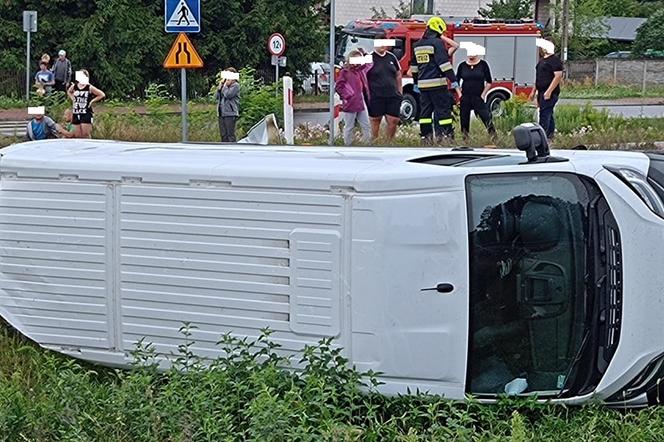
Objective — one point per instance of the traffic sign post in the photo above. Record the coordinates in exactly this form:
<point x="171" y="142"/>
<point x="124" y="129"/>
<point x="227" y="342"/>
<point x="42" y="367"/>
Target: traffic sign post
<point x="183" y="56"/>
<point x="182" y="16"/>
<point x="276" y="44"/>
<point x="29" y="26"/>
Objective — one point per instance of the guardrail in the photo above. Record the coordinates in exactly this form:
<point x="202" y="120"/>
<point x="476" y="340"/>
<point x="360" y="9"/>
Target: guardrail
<point x="12" y="128"/>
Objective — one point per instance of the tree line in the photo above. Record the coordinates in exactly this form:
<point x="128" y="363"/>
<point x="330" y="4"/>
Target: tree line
<point x="123" y="43"/>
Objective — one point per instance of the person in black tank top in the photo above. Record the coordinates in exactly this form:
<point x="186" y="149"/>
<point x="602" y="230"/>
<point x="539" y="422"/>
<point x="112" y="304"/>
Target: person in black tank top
<point x="83" y="95"/>
<point x="475" y="77"/>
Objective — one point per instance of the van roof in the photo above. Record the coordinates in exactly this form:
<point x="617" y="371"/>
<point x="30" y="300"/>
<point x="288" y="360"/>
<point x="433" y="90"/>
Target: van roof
<point x="316" y="168"/>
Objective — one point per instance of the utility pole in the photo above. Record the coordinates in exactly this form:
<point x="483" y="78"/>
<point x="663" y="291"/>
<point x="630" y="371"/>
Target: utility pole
<point x="331" y="75"/>
<point x="564" y="44"/>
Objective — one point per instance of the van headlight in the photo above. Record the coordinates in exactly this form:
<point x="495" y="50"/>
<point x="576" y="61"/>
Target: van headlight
<point x="648" y="381"/>
<point x="640" y="185"/>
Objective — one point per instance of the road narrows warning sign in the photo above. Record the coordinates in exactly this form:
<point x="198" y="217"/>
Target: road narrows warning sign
<point x="183" y="55"/>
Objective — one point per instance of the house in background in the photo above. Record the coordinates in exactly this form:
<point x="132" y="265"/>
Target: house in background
<point x="347" y="10"/>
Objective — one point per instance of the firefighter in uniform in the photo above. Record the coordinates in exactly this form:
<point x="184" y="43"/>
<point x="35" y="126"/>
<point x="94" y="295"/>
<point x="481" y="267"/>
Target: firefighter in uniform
<point x="431" y="69"/>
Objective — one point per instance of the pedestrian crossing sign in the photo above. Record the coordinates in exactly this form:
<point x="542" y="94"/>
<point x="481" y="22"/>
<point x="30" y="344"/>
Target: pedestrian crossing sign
<point x="182" y="16"/>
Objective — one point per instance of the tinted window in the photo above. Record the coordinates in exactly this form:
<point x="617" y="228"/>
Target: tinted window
<point x="528" y="236"/>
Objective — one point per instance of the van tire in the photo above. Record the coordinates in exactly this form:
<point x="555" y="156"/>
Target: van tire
<point x="410" y="108"/>
<point x="495" y="102"/>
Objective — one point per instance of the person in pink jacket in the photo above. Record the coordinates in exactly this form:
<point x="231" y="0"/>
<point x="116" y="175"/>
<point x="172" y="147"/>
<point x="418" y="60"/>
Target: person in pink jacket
<point x="353" y="88"/>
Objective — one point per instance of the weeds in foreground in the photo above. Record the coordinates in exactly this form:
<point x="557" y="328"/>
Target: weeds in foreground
<point x="249" y="395"/>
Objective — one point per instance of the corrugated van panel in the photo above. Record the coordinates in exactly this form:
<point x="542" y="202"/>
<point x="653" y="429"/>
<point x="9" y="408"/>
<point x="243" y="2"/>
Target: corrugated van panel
<point x="223" y="260"/>
<point x="53" y="261"/>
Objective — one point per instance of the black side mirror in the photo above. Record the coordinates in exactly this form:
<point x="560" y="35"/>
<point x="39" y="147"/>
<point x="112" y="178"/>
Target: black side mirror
<point x="530" y="138"/>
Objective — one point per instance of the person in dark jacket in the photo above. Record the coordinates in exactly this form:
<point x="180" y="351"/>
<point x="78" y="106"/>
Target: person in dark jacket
<point x="62" y="72"/>
<point x="228" y="104"/>
<point x="475" y="77"/>
<point x="549" y="75"/>
<point x="432" y="69"/>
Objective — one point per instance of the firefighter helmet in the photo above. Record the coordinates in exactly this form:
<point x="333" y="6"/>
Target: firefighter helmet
<point x="437" y="24"/>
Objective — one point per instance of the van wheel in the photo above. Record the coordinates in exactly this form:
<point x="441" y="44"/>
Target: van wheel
<point x="409" y="108"/>
<point x="495" y="102"/>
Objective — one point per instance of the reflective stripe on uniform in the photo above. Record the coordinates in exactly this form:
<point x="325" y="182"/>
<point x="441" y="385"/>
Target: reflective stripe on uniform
<point x="426" y="120"/>
<point x="433" y="82"/>
<point x="446" y="67"/>
<point x="424" y="50"/>
<point x="446" y="122"/>
<point x="414" y="69"/>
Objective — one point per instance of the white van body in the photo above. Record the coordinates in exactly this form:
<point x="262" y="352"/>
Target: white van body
<point x="105" y="243"/>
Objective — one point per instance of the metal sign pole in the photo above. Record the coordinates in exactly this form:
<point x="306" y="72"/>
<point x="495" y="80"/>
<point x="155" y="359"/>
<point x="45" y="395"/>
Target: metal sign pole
<point x="331" y="75"/>
<point x="185" y="122"/>
<point x="27" y="71"/>
<point x="276" y="76"/>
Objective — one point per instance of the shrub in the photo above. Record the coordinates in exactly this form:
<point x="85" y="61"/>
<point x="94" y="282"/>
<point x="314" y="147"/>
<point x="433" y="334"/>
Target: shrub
<point x="650" y="35"/>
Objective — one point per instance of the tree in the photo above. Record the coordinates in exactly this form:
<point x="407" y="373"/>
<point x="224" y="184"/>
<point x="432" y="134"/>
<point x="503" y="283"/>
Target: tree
<point x="402" y="11"/>
<point x="122" y="43"/>
<point x="650" y="35"/>
<point x="508" y="9"/>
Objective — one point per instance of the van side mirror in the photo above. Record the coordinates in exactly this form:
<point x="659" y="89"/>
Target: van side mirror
<point x="530" y="138"/>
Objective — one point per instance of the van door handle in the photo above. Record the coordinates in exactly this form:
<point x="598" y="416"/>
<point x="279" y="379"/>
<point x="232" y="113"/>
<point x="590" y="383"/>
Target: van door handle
<point x="440" y="288"/>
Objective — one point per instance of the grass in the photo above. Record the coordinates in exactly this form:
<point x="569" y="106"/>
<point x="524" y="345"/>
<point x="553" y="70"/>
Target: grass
<point x="324" y="98"/>
<point x="250" y="397"/>
<point x="608" y="91"/>
<point x="576" y="125"/>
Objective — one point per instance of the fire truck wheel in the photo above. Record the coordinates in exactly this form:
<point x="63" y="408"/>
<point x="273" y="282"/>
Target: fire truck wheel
<point x="409" y="108"/>
<point x="495" y="102"/>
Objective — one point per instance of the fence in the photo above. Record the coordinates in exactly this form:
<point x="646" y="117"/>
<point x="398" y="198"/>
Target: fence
<point x="12" y="83"/>
<point x="641" y="73"/>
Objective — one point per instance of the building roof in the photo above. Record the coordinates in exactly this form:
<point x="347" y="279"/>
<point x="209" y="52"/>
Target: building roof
<point x="621" y="28"/>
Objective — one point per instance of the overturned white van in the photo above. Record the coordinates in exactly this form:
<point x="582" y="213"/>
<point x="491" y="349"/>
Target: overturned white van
<point x="448" y="271"/>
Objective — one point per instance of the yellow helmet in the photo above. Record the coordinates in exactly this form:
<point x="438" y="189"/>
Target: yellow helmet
<point x="437" y="24"/>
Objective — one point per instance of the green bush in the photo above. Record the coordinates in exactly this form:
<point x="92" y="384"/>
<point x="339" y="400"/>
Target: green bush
<point x="250" y="396"/>
<point x="517" y="110"/>
<point x="650" y="35"/>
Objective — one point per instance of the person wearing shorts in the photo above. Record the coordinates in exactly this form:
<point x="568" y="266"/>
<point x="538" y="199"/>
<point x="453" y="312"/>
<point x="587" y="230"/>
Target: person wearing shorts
<point x="385" y="91"/>
<point x="83" y="95"/>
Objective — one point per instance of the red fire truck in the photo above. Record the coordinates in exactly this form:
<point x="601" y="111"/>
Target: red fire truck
<point x="510" y="47"/>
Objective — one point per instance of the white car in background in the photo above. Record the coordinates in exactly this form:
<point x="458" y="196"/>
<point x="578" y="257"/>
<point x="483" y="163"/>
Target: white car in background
<point x="310" y="86"/>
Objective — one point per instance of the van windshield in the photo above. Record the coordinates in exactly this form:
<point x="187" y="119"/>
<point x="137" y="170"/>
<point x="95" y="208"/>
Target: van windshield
<point x="528" y="237"/>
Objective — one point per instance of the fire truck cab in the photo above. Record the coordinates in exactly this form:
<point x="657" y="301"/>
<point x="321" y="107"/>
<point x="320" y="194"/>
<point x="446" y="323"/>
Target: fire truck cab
<point x="510" y="46"/>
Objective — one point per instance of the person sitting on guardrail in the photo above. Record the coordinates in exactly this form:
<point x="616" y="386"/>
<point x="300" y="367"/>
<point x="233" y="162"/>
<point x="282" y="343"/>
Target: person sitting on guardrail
<point x="228" y="104"/>
<point x="40" y="127"/>
<point x="353" y="89"/>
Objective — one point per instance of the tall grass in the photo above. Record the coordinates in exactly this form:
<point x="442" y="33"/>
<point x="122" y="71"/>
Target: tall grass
<point x="608" y="91"/>
<point x="249" y="396"/>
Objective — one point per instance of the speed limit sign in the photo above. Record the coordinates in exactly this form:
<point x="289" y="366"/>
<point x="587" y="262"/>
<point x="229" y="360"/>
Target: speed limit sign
<point x="276" y="44"/>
